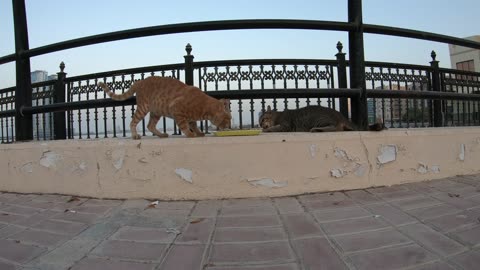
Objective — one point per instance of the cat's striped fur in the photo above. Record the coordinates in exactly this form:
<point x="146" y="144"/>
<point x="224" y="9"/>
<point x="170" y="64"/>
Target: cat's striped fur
<point x="308" y="119"/>
<point x="163" y="96"/>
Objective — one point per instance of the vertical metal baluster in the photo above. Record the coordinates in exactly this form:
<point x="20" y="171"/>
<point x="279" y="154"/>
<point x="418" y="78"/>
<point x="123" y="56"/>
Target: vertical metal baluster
<point x="79" y="112"/>
<point x="240" y="118"/>
<point x="105" y="126"/>
<point x="88" y="110"/>
<point x="123" y="108"/>
<point x="95" y="111"/>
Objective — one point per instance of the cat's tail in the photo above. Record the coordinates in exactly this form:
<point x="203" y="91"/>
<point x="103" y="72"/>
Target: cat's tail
<point x="114" y="96"/>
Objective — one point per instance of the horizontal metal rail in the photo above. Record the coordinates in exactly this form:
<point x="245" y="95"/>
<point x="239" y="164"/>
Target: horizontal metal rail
<point x="246" y="62"/>
<point x="402" y="32"/>
<point x="256" y="94"/>
<point x="190" y="27"/>
<point x="7" y="59"/>
<point x="374" y="93"/>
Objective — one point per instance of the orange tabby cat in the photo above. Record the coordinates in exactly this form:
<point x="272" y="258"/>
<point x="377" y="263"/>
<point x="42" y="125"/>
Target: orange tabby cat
<point x="163" y="96"/>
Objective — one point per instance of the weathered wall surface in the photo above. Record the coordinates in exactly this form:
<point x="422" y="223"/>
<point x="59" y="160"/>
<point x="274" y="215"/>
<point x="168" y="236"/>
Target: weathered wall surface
<point x="232" y="167"/>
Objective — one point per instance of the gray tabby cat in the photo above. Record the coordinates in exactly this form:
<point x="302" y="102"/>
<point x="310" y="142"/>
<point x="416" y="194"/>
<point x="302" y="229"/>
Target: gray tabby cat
<point x="308" y="119"/>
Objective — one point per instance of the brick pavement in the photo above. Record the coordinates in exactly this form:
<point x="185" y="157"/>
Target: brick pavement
<point x="428" y="225"/>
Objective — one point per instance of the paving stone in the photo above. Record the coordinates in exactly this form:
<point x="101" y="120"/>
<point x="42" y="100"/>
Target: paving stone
<point x="100" y="202"/>
<point x="61" y="227"/>
<point x="390" y="189"/>
<point x="184" y="257"/>
<point x="325" y="205"/>
<point x="391" y="258"/>
<point x="131" y="250"/>
<point x="76" y="217"/>
<point x="416" y="202"/>
<point x="398" y="195"/>
<point x="469" y="260"/>
<point x="327" y="196"/>
<point x="249" y="234"/>
<point x="40" y="238"/>
<point x="156" y="221"/>
<point x="150" y="235"/>
<point x="248" y="211"/>
<point x="7" y="266"/>
<point x="473" y="180"/>
<point x="10" y="218"/>
<point x="20" y="210"/>
<point x="301" y="225"/>
<point x="245" y="203"/>
<point x="165" y="212"/>
<point x="198" y="231"/>
<point x="339" y="214"/>
<point x="206" y="208"/>
<point x="433" y="211"/>
<point x="8" y="230"/>
<point x="18" y="252"/>
<point x="32" y="220"/>
<point x="470" y="236"/>
<point x="446" y="184"/>
<point x="254" y="267"/>
<point x="434" y="266"/>
<point x="66" y="255"/>
<point x="391" y="214"/>
<point x="93" y="209"/>
<point x="277" y="252"/>
<point x="452" y="222"/>
<point x="354" y="225"/>
<point x="363" y="197"/>
<point x="288" y="205"/>
<point x="370" y="240"/>
<point x="248" y="221"/>
<point x="108" y="264"/>
<point x="458" y="202"/>
<point x="432" y="240"/>
<point x="318" y="254"/>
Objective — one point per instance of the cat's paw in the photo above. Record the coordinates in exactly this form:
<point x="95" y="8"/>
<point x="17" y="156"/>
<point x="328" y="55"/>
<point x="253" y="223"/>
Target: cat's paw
<point x="200" y="134"/>
<point x="136" y="137"/>
<point x="163" y="135"/>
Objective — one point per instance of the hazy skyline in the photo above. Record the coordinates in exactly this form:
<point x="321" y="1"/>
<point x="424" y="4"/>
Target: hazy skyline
<point x="54" y="21"/>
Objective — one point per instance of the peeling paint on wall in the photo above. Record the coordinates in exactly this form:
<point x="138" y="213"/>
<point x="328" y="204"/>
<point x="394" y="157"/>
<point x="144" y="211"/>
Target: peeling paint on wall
<point x="360" y="169"/>
<point x="435" y="169"/>
<point x="185" y="174"/>
<point x="338" y="173"/>
<point x="422" y="168"/>
<point x="313" y="150"/>
<point x="27" y="167"/>
<point x="80" y="169"/>
<point x="267" y="182"/>
<point x="388" y="153"/>
<point x="117" y="156"/>
<point x="342" y="154"/>
<point x="461" y="156"/>
<point x="49" y="159"/>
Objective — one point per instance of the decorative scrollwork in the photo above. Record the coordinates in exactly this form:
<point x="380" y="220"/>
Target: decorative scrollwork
<point x="7" y="100"/>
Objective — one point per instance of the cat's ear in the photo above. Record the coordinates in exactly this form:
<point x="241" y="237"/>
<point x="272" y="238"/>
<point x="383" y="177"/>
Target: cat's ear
<point x="226" y="103"/>
<point x="269" y="109"/>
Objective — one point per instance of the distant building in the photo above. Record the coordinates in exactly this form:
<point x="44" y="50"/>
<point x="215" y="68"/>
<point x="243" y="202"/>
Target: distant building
<point x="464" y="58"/>
<point x="39" y="76"/>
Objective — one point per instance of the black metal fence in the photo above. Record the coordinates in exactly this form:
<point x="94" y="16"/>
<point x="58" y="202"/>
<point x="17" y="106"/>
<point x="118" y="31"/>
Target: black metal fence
<point x="400" y="95"/>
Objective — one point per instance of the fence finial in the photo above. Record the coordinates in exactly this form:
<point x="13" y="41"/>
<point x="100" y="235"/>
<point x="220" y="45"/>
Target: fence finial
<point x="188" y="48"/>
<point x="62" y="66"/>
<point x="339" y="47"/>
<point x="433" y="55"/>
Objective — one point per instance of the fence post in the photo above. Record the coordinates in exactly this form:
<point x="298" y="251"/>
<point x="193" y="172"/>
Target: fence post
<point x="437" y="104"/>
<point x="357" y="64"/>
<point x="188" y="65"/>
<point x="342" y="77"/>
<point x="23" y="90"/>
<point x="59" y="127"/>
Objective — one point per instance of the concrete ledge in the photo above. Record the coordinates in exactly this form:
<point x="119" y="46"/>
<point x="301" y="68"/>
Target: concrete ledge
<point x="235" y="167"/>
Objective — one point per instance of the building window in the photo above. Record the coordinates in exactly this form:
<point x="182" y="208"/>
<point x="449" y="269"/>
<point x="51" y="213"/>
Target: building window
<point x="466" y="65"/>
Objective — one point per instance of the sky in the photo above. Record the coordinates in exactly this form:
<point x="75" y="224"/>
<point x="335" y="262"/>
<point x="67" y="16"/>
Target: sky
<point x="52" y="21"/>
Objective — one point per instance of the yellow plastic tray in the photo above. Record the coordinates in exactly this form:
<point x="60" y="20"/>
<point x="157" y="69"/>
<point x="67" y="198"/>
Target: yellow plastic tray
<point x="240" y="132"/>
